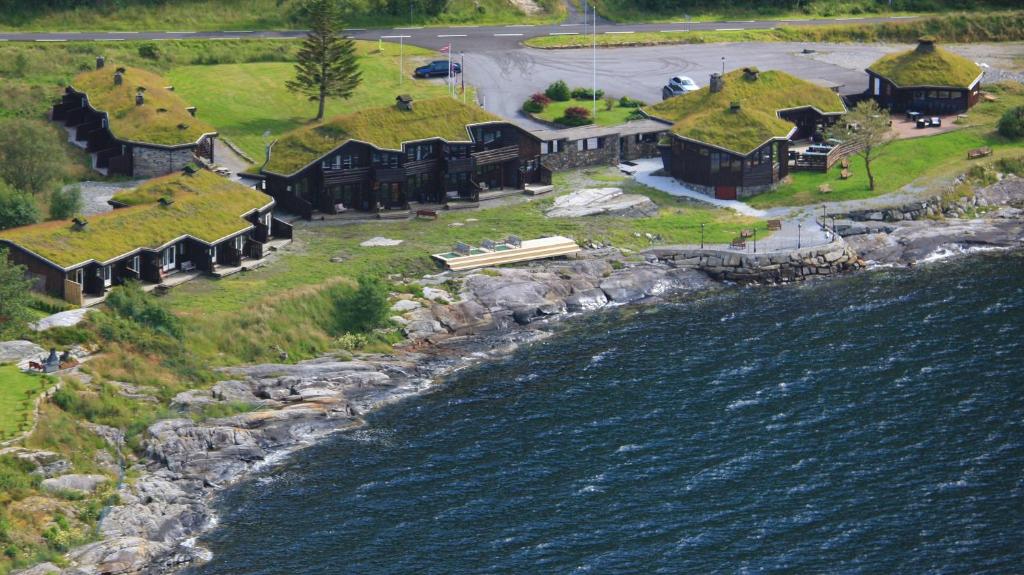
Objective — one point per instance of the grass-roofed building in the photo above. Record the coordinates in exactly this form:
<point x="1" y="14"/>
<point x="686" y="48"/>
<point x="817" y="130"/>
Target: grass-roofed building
<point x="186" y="222"/>
<point x="429" y="151"/>
<point x="731" y="138"/>
<point x="132" y="122"/>
<point x="926" y="79"/>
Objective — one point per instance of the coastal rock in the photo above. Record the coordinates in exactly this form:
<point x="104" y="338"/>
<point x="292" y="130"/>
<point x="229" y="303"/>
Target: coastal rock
<point x="463" y="318"/>
<point x="517" y="288"/>
<point x="436" y="295"/>
<point x="602" y="201"/>
<point x="20" y="351"/>
<point x="232" y="390"/>
<point x="76" y="483"/>
<point x="41" y="569"/>
<point x="214" y="454"/>
<point x="405" y="305"/>
<point x="587" y="300"/>
<point x="422" y="325"/>
<point x="914" y="241"/>
<point x="378" y="241"/>
<point x="311" y="368"/>
<point x="633" y="284"/>
<point x="62" y="319"/>
<point x="117" y="556"/>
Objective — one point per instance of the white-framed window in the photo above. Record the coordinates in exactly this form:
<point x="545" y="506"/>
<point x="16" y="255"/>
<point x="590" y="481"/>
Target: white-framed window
<point x="169" y="259"/>
<point x="78" y="276"/>
<point x="593" y="143"/>
<point x="134" y="263"/>
<point x="213" y="254"/>
<point x="581" y="145"/>
<point x="266" y="219"/>
<point x="107" y="275"/>
<point x="240" y="242"/>
<point x="878" y="86"/>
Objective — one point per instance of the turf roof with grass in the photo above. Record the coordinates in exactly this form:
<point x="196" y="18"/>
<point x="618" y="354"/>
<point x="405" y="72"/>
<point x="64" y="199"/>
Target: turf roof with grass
<point x="145" y="123"/>
<point x="707" y="117"/>
<point x="927" y="65"/>
<point x="385" y="128"/>
<point x="205" y="206"/>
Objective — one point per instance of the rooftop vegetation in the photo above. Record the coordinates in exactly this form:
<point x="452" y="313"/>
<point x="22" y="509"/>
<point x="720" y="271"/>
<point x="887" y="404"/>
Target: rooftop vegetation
<point x="162" y="119"/>
<point x="709" y="117"/>
<point x="205" y="206"/>
<point x="927" y="65"/>
<point x="385" y="127"/>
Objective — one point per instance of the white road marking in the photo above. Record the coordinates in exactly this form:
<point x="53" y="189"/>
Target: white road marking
<point x="728" y="29"/>
<point x="520" y="25"/>
<point x="51" y="40"/>
<point x="354" y="29"/>
<point x="122" y="32"/>
<point x="670" y="31"/>
<point x="563" y="33"/>
<point x="622" y="32"/>
<point x="226" y="38"/>
<point x="838" y="19"/>
<point x="112" y="40"/>
<point x="518" y="34"/>
<point x="451" y="35"/>
<point x="386" y="37"/>
<point x="173" y="32"/>
<point x="238" y="31"/>
<point x="409" y="28"/>
<point x="570" y="25"/>
<point x="902" y="17"/>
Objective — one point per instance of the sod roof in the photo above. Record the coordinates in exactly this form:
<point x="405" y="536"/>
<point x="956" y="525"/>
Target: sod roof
<point x="385" y="128"/>
<point x="707" y="117"/>
<point x="205" y="206"/>
<point x="927" y="65"/>
<point x="145" y="123"/>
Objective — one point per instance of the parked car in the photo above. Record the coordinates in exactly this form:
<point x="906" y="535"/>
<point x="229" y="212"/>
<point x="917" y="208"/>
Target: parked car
<point x="437" y="68"/>
<point x="683" y="84"/>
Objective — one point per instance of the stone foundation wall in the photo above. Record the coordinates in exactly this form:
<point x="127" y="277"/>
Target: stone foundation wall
<point x="741" y="191"/>
<point x="773" y="267"/>
<point x="929" y="208"/>
<point x="570" y="158"/>
<point x="636" y="150"/>
<point x="152" y="162"/>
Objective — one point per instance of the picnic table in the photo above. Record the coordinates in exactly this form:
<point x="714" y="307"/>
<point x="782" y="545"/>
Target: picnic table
<point x="774" y="225"/>
<point x="738" y="243"/>
<point x="426" y="214"/>
<point x="979" y="153"/>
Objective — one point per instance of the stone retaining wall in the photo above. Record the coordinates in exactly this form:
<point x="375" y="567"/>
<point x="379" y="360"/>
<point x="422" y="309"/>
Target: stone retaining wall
<point x="152" y="162"/>
<point x="933" y="207"/>
<point x="773" y="267"/>
<point x="571" y="158"/>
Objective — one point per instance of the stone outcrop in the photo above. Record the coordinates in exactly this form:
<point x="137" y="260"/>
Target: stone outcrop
<point x="19" y="351"/>
<point x="602" y="201"/>
<point x="773" y="267"/>
<point x="75" y="483"/>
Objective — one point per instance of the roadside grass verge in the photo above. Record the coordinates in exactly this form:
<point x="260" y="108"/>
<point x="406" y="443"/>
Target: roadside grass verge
<point x="617" y="115"/>
<point x="17" y="399"/>
<point x="906" y="161"/>
<point x="953" y="28"/>
<point x="229" y="15"/>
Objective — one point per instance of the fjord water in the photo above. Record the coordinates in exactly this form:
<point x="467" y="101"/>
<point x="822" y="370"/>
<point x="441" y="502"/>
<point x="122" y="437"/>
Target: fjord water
<point x="870" y="424"/>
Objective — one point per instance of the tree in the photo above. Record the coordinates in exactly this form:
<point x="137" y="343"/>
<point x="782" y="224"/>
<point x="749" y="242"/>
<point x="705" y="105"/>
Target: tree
<point x="65" y="203"/>
<point x="327" y="65"/>
<point x="1011" y="125"/>
<point x="869" y="131"/>
<point x="14" y="298"/>
<point x="16" y="208"/>
<point x="31" y="156"/>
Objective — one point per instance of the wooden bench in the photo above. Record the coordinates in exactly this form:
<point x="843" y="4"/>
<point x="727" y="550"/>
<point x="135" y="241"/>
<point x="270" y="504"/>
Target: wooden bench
<point x="845" y="163"/>
<point x="514" y="241"/>
<point x="738" y="243"/>
<point x="462" y="248"/>
<point x="746" y="233"/>
<point x="825" y="189"/>
<point x="426" y="214"/>
<point x="774" y="225"/>
<point x="979" y="153"/>
<point x="845" y="174"/>
<point x="187" y="266"/>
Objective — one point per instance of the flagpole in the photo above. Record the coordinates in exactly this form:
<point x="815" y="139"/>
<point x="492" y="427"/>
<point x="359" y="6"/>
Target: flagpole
<point x="595" y="63"/>
<point x="401" y="57"/>
<point x="451" y="83"/>
<point x="462" y="73"/>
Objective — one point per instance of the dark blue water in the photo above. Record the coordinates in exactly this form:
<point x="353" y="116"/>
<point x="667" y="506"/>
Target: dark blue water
<point x="872" y="424"/>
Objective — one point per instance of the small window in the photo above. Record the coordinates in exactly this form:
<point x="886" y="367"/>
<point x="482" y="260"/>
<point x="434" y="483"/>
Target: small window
<point x="933" y="94"/>
<point x="593" y="143"/>
<point x="581" y="145"/>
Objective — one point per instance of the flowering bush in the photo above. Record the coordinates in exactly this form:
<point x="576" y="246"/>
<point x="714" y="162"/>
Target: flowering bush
<point x="575" y="116"/>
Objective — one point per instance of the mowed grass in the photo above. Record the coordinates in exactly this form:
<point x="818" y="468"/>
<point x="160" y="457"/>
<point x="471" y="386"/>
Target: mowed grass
<point x="248" y="317"/>
<point x="905" y="162"/>
<point x="195" y="15"/>
<point x="617" y="115"/>
<point x="18" y="391"/>
<point x="247" y="99"/>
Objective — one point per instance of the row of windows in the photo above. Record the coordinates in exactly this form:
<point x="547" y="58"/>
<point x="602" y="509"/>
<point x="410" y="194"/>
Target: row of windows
<point x="936" y="94"/>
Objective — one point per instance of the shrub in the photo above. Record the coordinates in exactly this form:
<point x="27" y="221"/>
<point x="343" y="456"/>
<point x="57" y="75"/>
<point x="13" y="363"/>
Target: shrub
<point x="558" y="91"/>
<point x="541" y="99"/>
<point x="575" y="116"/>
<point x="16" y="208"/>
<point x="1011" y="125"/>
<point x="626" y="102"/>
<point x="130" y="302"/>
<point x="586" y="94"/>
<point x="31" y="155"/>
<point x="149" y="51"/>
<point x="1011" y="165"/>
<point x="530" y="106"/>
<point x="359" y="309"/>
<point x="65" y="203"/>
<point x="609" y="103"/>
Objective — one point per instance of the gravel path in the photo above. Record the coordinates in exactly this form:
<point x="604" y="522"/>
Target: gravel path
<point x="96" y="194"/>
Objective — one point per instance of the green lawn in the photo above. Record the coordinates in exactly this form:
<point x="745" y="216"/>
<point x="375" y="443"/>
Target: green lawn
<point x="194" y="15"/>
<point x="915" y="160"/>
<point x="245" y="100"/>
<point x="617" y="115"/>
<point x="17" y="396"/>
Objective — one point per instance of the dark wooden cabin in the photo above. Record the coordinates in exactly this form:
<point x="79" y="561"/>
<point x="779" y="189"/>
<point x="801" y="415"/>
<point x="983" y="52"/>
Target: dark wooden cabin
<point x="927" y="79"/>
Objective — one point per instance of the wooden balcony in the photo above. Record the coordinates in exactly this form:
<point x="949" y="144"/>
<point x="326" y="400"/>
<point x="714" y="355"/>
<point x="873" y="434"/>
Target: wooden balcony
<point x="347" y="176"/>
<point x="421" y="167"/>
<point x="497" y="155"/>
<point x="459" y="165"/>
<point x="389" y="174"/>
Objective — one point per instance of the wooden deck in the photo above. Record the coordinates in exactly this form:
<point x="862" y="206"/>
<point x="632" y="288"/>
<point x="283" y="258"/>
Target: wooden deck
<point x="504" y="254"/>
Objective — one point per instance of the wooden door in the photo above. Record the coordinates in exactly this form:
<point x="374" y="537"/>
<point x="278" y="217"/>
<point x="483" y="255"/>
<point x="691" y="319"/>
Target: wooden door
<point x="725" y="192"/>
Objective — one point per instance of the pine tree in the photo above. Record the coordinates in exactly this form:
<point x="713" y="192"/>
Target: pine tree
<point x="327" y="65"/>
<point x="14" y="298"/>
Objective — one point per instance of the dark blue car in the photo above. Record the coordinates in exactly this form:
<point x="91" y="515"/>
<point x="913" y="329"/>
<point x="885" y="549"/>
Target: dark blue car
<point x="437" y="68"/>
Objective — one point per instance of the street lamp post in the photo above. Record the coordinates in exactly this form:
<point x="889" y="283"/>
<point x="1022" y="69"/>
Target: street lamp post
<point x="833" y="228"/>
<point x="798" y="226"/>
<point x="702" y="236"/>
<point x="755" y="240"/>
<point x="723" y="65"/>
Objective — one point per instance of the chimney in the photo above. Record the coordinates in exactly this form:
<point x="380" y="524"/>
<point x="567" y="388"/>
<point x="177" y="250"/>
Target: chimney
<point x="100" y="62"/>
<point x="404" y="102"/>
<point x="751" y="73"/>
<point x="734" y="106"/>
<point x="79" y="223"/>
<point x="140" y="97"/>
<point x="717" y="83"/>
<point x="118" y="78"/>
<point x="191" y="110"/>
<point x="926" y="44"/>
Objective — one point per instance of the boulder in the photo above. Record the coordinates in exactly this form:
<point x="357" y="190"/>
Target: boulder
<point x="20" y="351"/>
<point x="434" y="294"/>
<point x="117" y="556"/>
<point x="41" y="569"/>
<point x="378" y="241"/>
<point x="587" y="300"/>
<point x="232" y="390"/>
<point x="62" y="319"/>
<point x="405" y="305"/>
<point x="77" y="483"/>
<point x="643" y="281"/>
<point x="463" y="318"/>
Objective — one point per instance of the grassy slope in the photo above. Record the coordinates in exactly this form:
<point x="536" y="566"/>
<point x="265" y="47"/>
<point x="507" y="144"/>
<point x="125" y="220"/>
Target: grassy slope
<point x="974" y="27"/>
<point x="385" y="127"/>
<point x="916" y="160"/>
<point x="18" y="389"/>
<point x="255" y="15"/>
<point x="215" y="90"/>
<point x="144" y="123"/>
<point x="617" y="115"/>
<point x="205" y="206"/>
<point x="707" y="117"/>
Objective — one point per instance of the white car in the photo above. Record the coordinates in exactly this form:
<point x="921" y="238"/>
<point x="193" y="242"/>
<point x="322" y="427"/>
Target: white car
<point x="683" y="84"/>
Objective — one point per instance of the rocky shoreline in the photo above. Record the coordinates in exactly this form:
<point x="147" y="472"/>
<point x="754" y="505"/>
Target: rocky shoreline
<point x="186" y="463"/>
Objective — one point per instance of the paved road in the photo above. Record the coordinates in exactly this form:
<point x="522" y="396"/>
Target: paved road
<point x="467" y="38"/>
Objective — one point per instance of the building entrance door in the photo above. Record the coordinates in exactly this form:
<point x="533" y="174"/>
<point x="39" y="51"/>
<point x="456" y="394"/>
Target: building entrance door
<point x="725" y="192"/>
